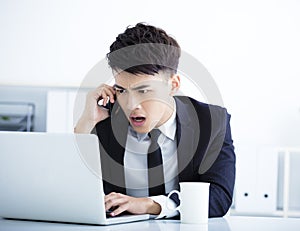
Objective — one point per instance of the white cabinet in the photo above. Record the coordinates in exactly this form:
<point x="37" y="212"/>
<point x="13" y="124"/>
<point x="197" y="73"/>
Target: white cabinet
<point x="264" y="185"/>
<point x="256" y="183"/>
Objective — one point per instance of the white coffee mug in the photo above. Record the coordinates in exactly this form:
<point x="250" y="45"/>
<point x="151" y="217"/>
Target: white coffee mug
<point x="194" y="202"/>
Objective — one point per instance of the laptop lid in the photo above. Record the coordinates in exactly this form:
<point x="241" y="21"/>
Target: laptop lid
<point x="54" y="177"/>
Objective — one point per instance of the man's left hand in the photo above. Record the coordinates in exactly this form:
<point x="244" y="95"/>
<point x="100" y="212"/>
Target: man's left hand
<point x="130" y="204"/>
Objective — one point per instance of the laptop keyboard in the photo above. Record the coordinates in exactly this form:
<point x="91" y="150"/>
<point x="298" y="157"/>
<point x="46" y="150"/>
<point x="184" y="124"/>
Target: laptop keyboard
<point x="124" y="214"/>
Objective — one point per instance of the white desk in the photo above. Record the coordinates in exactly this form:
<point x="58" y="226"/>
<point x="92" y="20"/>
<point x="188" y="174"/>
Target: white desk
<point x="232" y="223"/>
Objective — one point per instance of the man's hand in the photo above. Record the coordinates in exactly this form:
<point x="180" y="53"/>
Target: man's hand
<point x="130" y="204"/>
<point x="92" y="113"/>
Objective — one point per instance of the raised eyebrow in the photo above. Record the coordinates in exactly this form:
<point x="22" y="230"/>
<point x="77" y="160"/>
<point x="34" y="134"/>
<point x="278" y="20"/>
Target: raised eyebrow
<point x="140" y="87"/>
<point x="119" y="87"/>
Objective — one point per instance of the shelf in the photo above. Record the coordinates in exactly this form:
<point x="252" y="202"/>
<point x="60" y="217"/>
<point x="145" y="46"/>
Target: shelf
<point x="16" y="116"/>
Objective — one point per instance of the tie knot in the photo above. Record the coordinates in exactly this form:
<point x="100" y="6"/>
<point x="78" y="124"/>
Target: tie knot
<point x="154" y="134"/>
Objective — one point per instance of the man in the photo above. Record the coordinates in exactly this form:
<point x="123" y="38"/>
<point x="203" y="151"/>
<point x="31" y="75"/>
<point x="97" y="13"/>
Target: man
<point x="190" y="140"/>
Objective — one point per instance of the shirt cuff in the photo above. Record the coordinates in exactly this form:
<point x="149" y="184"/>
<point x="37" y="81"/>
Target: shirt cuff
<point x="165" y="212"/>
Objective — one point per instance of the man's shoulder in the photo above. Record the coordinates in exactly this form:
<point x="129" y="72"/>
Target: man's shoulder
<point x="200" y="106"/>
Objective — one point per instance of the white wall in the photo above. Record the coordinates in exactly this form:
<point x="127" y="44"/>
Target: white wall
<point x="251" y="48"/>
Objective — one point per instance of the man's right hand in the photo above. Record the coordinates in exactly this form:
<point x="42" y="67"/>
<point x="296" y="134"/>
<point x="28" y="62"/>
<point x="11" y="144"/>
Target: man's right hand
<point x="93" y="113"/>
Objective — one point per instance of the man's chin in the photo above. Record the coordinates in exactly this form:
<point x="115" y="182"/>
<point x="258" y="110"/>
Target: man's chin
<point x="141" y="129"/>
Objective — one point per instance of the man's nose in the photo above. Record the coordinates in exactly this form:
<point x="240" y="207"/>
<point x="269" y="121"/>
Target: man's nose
<point x="133" y="102"/>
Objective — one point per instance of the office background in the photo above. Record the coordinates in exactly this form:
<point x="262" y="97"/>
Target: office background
<point x="251" y="48"/>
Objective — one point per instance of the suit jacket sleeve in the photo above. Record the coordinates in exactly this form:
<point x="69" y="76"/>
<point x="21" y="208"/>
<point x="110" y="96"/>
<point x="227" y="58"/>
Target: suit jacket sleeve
<point x="221" y="174"/>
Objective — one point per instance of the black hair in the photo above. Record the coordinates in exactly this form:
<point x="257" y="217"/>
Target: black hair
<point x="144" y="49"/>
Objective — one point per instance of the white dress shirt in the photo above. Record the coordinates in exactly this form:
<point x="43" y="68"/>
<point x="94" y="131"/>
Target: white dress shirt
<point x="136" y="168"/>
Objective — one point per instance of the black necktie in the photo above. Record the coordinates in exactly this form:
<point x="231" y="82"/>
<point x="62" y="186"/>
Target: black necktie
<point x="155" y="166"/>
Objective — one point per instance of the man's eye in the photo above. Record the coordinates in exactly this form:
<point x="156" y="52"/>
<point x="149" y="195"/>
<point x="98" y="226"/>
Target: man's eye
<point x="144" y="91"/>
<point x="120" y="91"/>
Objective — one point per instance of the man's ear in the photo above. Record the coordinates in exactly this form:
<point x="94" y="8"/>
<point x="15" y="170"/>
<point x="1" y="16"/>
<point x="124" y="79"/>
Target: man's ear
<point x="175" y="83"/>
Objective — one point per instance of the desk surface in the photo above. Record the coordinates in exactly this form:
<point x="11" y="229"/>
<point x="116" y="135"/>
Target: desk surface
<point x="232" y="223"/>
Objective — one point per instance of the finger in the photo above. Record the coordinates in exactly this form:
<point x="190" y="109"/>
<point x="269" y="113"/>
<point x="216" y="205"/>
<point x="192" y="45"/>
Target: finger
<point x="122" y="208"/>
<point x="96" y="94"/>
<point x="115" y="203"/>
<point x="107" y="95"/>
<point x="108" y="90"/>
<point x="111" y="195"/>
<point x="104" y="98"/>
<point x="111" y="93"/>
<point x="109" y="198"/>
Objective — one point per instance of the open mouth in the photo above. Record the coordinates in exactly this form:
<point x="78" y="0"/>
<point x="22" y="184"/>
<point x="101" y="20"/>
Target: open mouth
<point x="138" y="120"/>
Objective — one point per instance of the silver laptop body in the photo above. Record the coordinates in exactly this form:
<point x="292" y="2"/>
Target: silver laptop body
<point x="53" y="177"/>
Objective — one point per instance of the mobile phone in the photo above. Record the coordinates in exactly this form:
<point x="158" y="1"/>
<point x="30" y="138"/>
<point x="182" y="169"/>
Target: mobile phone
<point x="108" y="105"/>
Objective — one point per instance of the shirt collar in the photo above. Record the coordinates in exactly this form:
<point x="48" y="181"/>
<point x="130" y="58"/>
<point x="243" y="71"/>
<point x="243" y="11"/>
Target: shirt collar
<point x="169" y="127"/>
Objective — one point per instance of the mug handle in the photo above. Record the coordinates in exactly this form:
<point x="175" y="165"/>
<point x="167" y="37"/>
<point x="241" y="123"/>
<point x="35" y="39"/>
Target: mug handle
<point x="170" y="193"/>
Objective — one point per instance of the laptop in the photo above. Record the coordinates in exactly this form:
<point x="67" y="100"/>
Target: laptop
<point x="53" y="177"/>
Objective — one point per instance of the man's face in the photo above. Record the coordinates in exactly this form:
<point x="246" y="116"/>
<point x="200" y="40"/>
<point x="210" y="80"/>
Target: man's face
<point x="145" y="99"/>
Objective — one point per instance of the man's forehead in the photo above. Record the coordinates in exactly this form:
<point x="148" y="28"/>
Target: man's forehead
<point x="138" y="83"/>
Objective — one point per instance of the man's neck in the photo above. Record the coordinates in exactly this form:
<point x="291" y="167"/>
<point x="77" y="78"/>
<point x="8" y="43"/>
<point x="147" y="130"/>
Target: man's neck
<point x="168" y="113"/>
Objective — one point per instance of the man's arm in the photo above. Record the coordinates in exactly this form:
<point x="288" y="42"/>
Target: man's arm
<point x="221" y="174"/>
